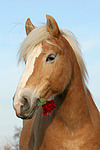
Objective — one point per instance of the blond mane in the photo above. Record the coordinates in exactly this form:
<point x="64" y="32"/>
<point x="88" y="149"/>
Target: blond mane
<point x="40" y="34"/>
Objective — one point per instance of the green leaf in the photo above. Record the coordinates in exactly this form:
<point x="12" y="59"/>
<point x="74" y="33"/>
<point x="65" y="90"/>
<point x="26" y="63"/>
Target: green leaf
<point x="42" y="102"/>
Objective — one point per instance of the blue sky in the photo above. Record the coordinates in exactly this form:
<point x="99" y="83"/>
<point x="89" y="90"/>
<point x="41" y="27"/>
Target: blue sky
<point x="81" y="17"/>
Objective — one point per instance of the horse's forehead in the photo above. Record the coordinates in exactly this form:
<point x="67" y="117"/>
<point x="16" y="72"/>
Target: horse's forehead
<point x="29" y="69"/>
<point x="34" y="54"/>
<point x="51" y="45"/>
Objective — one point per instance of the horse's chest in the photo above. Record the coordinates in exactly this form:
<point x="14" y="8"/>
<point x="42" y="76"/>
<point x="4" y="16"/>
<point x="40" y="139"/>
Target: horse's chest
<point x="65" y="143"/>
<point x="61" y="143"/>
<point x="55" y="136"/>
<point x="58" y="138"/>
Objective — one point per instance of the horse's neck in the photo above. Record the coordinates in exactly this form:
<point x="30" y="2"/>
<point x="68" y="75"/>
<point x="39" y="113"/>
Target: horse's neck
<point x="74" y="109"/>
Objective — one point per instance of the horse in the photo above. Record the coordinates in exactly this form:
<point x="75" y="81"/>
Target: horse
<point x="55" y="73"/>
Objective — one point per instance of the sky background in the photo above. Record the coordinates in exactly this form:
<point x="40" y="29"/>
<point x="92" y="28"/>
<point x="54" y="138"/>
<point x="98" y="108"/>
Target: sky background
<point x="80" y="17"/>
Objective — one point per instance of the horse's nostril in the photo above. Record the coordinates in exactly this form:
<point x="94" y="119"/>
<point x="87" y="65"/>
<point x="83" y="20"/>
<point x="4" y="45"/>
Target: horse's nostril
<point x="23" y="100"/>
<point x="25" y="103"/>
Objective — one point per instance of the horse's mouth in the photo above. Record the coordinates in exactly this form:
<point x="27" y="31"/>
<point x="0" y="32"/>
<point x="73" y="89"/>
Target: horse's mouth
<point x="30" y="112"/>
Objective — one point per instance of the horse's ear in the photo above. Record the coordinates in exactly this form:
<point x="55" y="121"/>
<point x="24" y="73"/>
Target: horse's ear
<point x="52" y="26"/>
<point x="29" y="26"/>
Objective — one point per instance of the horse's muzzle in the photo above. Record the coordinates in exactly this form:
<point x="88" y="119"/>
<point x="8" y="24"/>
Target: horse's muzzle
<point x="24" y="106"/>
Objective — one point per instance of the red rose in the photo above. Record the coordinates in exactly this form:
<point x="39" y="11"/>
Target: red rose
<point x="48" y="107"/>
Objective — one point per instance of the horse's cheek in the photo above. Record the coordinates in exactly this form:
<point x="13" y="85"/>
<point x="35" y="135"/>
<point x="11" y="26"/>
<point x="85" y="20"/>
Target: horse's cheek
<point x="59" y="80"/>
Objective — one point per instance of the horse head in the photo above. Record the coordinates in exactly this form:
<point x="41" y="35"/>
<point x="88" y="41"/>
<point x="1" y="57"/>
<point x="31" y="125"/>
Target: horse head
<point x="48" y="70"/>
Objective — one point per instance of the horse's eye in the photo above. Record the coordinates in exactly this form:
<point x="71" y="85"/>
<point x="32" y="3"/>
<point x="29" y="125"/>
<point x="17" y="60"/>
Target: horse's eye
<point x="50" y="58"/>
